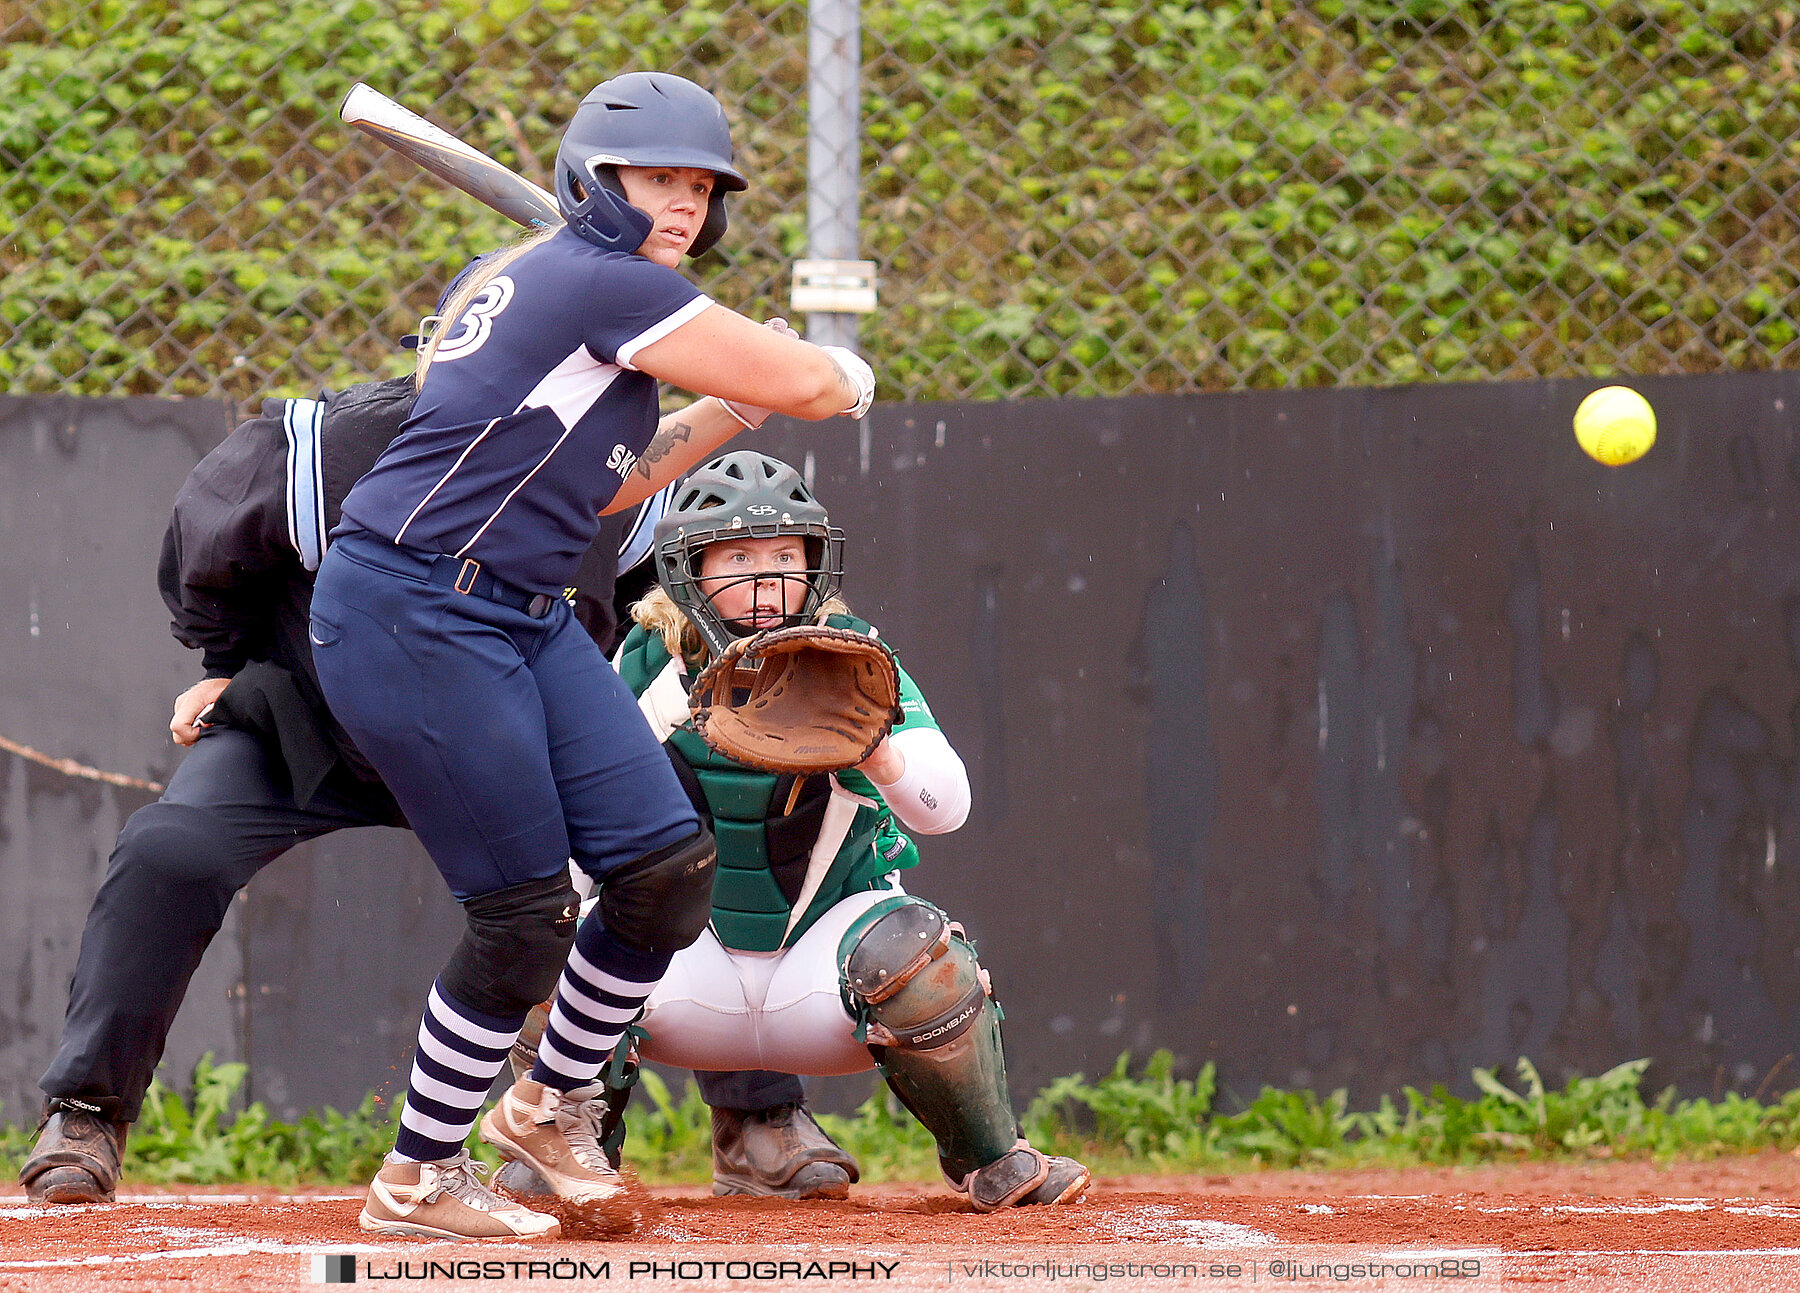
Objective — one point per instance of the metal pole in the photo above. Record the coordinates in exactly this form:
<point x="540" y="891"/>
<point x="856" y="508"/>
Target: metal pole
<point x="833" y="148"/>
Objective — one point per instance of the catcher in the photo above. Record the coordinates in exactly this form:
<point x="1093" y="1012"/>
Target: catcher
<point x="815" y="960"/>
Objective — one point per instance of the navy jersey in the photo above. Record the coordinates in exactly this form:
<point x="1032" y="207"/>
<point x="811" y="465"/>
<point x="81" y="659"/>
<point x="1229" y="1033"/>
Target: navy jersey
<point x="531" y="414"/>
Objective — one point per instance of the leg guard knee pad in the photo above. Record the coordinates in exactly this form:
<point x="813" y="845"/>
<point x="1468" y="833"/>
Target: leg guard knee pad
<point x="661" y="902"/>
<point x="912" y="981"/>
<point x="516" y="943"/>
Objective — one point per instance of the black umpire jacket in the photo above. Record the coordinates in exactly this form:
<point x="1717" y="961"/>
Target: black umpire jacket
<point x="242" y="548"/>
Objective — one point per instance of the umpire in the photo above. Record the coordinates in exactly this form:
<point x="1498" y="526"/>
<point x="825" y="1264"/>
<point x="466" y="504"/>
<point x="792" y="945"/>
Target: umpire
<point x="268" y="768"/>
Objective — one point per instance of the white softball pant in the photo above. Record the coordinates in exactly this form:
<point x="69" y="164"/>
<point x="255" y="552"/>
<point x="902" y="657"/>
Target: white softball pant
<point x="781" y="1011"/>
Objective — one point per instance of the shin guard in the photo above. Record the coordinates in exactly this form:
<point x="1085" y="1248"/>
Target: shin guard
<point x="924" y="1007"/>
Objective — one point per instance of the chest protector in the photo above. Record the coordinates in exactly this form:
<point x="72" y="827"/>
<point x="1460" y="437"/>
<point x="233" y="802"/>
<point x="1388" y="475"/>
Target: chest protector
<point x="771" y="841"/>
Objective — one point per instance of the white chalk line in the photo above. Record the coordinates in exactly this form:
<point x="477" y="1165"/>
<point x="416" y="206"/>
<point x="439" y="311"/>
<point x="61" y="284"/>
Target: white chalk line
<point x="22" y="1210"/>
<point x="167" y="1200"/>
<point x="168" y="1254"/>
<point x="1298" y="1251"/>
<point x="1552" y="1254"/>
<point x="1154" y="1224"/>
<point x="1223" y="1234"/>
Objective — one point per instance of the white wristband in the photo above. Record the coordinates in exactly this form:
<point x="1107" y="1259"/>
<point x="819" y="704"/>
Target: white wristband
<point x="749" y="414"/>
<point x="857" y="372"/>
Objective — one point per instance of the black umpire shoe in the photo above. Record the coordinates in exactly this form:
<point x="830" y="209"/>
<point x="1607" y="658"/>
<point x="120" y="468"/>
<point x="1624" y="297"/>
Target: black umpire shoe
<point x="76" y="1158"/>
<point x="779" y="1152"/>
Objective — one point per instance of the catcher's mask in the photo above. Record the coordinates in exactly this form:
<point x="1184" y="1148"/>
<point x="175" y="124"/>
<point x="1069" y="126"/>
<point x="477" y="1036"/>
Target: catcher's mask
<point x="641" y="119"/>
<point x="744" y="495"/>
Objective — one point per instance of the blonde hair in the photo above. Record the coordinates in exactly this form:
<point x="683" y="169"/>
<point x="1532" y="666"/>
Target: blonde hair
<point x="657" y="613"/>
<point x="471" y="287"/>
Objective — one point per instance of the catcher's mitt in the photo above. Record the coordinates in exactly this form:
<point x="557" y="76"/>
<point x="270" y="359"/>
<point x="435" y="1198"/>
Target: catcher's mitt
<point x="820" y="700"/>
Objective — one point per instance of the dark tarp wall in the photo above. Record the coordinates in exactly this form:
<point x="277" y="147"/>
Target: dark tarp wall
<point x="319" y="973"/>
<point x="1356" y="738"/>
<point x="1346" y="738"/>
<point x="87" y="671"/>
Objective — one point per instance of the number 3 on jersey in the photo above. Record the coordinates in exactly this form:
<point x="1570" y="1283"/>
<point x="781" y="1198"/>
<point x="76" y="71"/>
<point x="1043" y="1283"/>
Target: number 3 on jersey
<point x="477" y="322"/>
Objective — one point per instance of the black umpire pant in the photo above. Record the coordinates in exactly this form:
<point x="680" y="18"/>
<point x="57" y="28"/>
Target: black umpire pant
<point x="227" y="813"/>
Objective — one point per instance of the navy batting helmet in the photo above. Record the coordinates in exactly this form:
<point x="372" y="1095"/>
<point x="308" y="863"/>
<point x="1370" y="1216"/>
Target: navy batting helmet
<point x="641" y="119"/>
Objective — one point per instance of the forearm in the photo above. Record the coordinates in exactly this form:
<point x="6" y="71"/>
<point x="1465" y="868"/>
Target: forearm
<point x="929" y="792"/>
<point x="815" y="386"/>
<point x="229" y="627"/>
<point x="825" y="384"/>
<point x="684" y="439"/>
<point x="768" y="366"/>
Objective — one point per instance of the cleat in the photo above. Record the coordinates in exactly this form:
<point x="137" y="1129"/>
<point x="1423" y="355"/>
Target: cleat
<point x="520" y="1181"/>
<point x="445" y="1199"/>
<point x="556" y="1135"/>
<point x="1023" y="1177"/>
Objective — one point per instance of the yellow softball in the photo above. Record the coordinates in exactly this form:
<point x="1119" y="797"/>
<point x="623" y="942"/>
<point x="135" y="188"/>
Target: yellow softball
<point x="1615" y="425"/>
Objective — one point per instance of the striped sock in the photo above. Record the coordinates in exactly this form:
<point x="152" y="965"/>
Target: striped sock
<point x="461" y="1051"/>
<point x="601" y="991"/>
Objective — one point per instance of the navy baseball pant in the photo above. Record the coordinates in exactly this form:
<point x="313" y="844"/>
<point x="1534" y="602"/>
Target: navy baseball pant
<point x="509" y="741"/>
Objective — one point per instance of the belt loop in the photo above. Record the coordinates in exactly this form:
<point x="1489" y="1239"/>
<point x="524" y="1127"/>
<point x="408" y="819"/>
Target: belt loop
<point x="466" y="577"/>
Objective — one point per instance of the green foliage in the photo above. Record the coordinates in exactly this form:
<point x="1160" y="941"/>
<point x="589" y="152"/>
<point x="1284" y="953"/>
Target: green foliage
<point x="200" y="1142"/>
<point x="886" y="1141"/>
<point x="1153" y="1121"/>
<point x="1158" y="1122"/>
<point x="666" y="1138"/>
<point x="1155" y="1117"/>
<point x="1601" y="1115"/>
<point x="186" y="215"/>
<point x="15" y="1143"/>
<point x="203" y="1140"/>
<point x="1149" y="197"/>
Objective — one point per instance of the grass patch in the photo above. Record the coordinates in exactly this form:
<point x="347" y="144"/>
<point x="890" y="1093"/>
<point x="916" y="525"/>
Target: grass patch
<point x="1149" y="1120"/>
<point x="1155" y="1121"/>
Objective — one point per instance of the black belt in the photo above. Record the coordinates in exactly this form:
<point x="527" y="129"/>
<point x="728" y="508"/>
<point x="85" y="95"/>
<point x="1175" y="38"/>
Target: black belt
<point x="465" y="575"/>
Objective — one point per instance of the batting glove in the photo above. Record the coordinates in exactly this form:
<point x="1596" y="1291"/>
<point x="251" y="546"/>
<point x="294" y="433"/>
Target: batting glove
<point x="858" y="374"/>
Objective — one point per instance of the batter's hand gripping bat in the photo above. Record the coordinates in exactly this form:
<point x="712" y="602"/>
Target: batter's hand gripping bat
<point x="447" y="157"/>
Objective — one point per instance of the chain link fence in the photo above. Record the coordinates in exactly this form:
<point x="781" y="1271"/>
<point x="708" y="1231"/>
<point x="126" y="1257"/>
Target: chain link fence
<point x="1063" y="199"/>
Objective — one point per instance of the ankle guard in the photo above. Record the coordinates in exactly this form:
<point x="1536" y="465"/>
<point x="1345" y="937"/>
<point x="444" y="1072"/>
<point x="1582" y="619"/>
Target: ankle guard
<point x="923" y="1005"/>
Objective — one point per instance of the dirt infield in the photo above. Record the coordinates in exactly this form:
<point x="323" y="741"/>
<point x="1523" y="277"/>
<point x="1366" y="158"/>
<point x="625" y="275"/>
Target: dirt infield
<point x="1692" y="1228"/>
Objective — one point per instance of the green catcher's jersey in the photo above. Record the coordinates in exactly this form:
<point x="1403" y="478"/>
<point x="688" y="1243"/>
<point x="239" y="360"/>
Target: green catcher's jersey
<point x="782" y="846"/>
